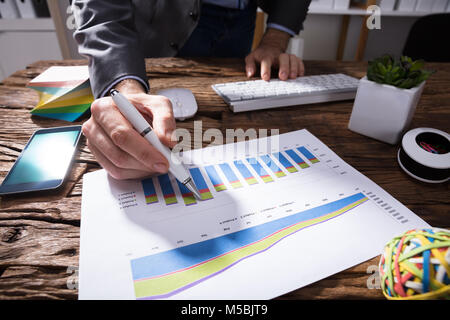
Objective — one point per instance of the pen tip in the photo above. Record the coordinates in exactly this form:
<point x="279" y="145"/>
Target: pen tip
<point x="197" y="194"/>
<point x="191" y="186"/>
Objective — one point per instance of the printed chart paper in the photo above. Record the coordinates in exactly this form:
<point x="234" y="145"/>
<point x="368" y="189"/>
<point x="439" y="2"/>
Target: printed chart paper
<point x="272" y="220"/>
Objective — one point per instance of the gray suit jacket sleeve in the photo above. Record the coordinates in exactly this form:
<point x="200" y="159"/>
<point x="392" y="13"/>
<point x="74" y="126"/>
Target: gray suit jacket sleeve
<point x="288" y="13"/>
<point x="106" y="35"/>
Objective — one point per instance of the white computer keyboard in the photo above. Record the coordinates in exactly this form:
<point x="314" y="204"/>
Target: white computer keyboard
<point x="260" y="94"/>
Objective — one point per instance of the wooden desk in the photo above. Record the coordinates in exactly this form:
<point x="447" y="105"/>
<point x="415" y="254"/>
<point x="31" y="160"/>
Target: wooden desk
<point x="39" y="236"/>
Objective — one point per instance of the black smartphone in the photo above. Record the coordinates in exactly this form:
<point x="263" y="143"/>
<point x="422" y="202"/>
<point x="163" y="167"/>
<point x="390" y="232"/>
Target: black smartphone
<point x="44" y="162"/>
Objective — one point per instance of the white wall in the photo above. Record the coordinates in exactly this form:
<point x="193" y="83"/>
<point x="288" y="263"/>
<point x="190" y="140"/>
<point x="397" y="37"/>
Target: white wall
<point x="20" y="48"/>
<point x="321" y="37"/>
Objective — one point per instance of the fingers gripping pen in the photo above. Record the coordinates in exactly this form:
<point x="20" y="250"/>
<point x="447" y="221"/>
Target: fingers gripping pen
<point x="141" y="125"/>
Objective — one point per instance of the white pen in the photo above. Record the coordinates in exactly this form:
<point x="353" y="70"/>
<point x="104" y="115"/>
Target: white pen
<point x="141" y="125"/>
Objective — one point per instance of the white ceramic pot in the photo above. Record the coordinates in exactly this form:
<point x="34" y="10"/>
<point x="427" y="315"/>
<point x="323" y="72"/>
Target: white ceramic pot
<point x="383" y="112"/>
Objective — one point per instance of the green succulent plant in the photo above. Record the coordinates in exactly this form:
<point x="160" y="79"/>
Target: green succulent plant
<point x="402" y="73"/>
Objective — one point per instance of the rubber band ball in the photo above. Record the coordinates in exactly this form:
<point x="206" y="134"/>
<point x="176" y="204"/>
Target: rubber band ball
<point x="416" y="265"/>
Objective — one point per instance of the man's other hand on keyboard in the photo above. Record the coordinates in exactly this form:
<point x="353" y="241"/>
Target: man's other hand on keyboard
<point x="271" y="53"/>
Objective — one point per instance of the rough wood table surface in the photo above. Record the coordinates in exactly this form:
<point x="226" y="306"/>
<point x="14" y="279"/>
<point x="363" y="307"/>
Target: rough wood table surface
<point x="39" y="235"/>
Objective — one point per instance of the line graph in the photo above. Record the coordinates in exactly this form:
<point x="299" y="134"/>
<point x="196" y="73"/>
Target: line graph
<point x="165" y="274"/>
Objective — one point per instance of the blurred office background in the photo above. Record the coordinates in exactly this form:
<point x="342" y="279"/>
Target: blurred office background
<point x="32" y="30"/>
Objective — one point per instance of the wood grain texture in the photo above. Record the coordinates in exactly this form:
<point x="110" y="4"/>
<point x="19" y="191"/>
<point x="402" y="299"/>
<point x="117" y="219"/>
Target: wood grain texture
<point x="39" y="234"/>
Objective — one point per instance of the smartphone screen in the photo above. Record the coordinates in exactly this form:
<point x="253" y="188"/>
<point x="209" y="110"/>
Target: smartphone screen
<point x="44" y="162"/>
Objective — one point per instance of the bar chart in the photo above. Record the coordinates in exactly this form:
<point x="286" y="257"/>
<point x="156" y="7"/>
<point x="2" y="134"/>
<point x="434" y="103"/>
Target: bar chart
<point x="270" y="215"/>
<point x="268" y="168"/>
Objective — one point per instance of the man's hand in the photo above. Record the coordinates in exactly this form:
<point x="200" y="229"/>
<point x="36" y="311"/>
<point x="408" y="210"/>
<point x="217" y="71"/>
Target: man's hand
<point x="117" y="146"/>
<point x="270" y="52"/>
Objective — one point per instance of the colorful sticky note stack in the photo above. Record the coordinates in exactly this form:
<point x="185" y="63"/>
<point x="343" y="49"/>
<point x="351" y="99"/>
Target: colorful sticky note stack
<point x="64" y="92"/>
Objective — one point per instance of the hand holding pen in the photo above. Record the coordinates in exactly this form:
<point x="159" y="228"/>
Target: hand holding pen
<point x="176" y="167"/>
<point x="115" y="143"/>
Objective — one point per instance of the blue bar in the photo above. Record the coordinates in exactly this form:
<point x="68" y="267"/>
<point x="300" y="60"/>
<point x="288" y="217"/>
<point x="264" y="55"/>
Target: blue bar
<point x="308" y="154"/>
<point x="260" y="170"/>
<point x="183" y="188"/>
<point x="248" y="176"/>
<point x="200" y="183"/>
<point x="226" y="169"/>
<point x="272" y="166"/>
<point x="149" y="191"/>
<point x="285" y="162"/>
<point x="167" y="189"/>
<point x="243" y="169"/>
<point x="215" y="178"/>
<point x="297" y="159"/>
<point x="149" y="187"/>
<point x="228" y="172"/>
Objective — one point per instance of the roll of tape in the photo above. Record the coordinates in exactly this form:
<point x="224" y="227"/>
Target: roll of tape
<point x="425" y="155"/>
